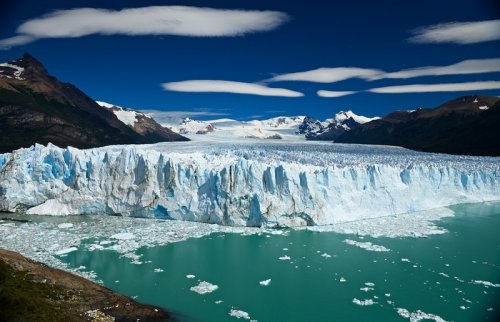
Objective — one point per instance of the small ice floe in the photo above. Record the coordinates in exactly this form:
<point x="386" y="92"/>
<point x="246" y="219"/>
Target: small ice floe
<point x="285" y="249"/>
<point x="366" y="289"/>
<point x="65" y="225"/>
<point x="239" y="314"/>
<point x="123" y="236"/>
<point x="419" y="315"/>
<point x="93" y="247"/>
<point x="326" y="255"/>
<point x="444" y="274"/>
<point x="265" y="282"/>
<point x="405" y="260"/>
<point x="490" y="309"/>
<point x="370" y="284"/>
<point x="219" y="301"/>
<point x="387" y="294"/>
<point x="367" y="246"/>
<point x="363" y="302"/>
<point x="485" y="283"/>
<point x="190" y="276"/>
<point x="204" y="288"/>
<point x="66" y="251"/>
<point x="284" y="258"/>
<point x="157" y="270"/>
<point x="105" y="242"/>
<point x="342" y="280"/>
<point x="462" y="307"/>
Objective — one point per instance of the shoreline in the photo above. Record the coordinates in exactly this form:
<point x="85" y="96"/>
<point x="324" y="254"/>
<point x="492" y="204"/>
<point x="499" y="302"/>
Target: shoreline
<point x="30" y="289"/>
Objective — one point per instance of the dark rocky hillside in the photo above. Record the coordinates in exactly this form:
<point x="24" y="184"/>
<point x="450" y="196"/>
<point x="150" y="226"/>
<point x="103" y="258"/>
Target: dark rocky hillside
<point x="37" y="108"/>
<point x="468" y="125"/>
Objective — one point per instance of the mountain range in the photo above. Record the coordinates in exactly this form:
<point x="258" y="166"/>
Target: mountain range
<point x="35" y="107"/>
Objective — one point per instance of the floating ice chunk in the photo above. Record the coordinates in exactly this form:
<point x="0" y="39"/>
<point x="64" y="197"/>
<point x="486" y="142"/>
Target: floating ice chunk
<point x="219" y="301"/>
<point x="265" y="282"/>
<point x="157" y="270"/>
<point x="65" y="225"/>
<point x="485" y="283"/>
<point x="387" y="294"/>
<point x="370" y="284"/>
<point x="190" y="276"/>
<point x="444" y="274"/>
<point x="285" y="249"/>
<point x="418" y="315"/>
<point x="123" y="236"/>
<point x="342" y="280"/>
<point x="325" y="255"/>
<point x="367" y="245"/>
<point x="366" y="289"/>
<point x="204" y="288"/>
<point x="239" y="314"/>
<point x="66" y="251"/>
<point x="363" y="302"/>
<point x="285" y="258"/>
<point x="405" y="260"/>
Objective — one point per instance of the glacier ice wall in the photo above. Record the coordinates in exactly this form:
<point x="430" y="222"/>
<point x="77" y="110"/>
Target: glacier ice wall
<point x="247" y="185"/>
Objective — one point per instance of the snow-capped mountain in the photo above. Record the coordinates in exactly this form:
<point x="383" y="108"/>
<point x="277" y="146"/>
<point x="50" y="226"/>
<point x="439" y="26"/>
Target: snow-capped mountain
<point x="276" y="128"/>
<point x="141" y="123"/>
<point x="36" y="107"/>
<point x="331" y="129"/>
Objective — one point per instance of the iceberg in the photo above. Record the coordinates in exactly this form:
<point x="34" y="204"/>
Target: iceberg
<point x="244" y="184"/>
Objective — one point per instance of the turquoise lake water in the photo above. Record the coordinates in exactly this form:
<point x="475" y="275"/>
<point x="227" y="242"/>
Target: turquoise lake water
<point x="434" y="275"/>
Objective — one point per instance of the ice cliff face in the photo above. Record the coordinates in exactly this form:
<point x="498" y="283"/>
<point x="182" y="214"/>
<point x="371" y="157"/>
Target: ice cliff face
<point x="241" y="185"/>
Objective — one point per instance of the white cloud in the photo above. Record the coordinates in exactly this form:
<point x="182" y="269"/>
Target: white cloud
<point x="328" y="75"/>
<point x="324" y="93"/>
<point x="335" y="74"/>
<point x="471" y="66"/>
<point x="458" y="32"/>
<point x="155" y="20"/>
<point x="222" y="86"/>
<point x="451" y="87"/>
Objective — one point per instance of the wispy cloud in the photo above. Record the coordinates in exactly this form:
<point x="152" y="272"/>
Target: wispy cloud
<point x="324" y="93"/>
<point x="327" y="75"/>
<point x="336" y="74"/>
<point x="222" y="86"/>
<point x="155" y="20"/>
<point x="451" y="87"/>
<point x="471" y="66"/>
<point x="462" y="33"/>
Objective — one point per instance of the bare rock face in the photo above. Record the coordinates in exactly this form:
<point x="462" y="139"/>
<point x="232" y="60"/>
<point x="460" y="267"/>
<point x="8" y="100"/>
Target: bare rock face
<point x="35" y="107"/>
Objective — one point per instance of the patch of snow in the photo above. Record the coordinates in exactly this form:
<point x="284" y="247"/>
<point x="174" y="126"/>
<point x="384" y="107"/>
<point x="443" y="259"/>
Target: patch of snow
<point x="265" y="282"/>
<point x="418" y="315"/>
<point x="239" y="314"/>
<point x="123" y="236"/>
<point x="485" y="283"/>
<point x="366" y="245"/>
<point x="204" y="288"/>
<point x="484" y="107"/>
<point x="66" y="251"/>
<point x="65" y="225"/>
<point x="17" y="73"/>
<point x="363" y="302"/>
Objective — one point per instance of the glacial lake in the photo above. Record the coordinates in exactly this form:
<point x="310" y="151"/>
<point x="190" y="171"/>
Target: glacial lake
<point x="318" y="276"/>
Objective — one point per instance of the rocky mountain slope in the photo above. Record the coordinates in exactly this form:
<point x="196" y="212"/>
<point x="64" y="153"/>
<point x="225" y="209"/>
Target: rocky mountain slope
<point x="331" y="129"/>
<point x="467" y="125"/>
<point x="35" y="107"/>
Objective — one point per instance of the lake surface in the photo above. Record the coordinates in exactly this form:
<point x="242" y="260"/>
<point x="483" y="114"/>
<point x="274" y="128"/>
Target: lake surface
<point x="320" y="277"/>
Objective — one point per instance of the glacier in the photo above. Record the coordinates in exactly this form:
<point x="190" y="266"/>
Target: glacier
<point x="242" y="184"/>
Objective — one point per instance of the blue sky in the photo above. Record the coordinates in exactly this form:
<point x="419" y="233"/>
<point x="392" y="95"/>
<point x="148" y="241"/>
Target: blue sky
<point x="211" y="63"/>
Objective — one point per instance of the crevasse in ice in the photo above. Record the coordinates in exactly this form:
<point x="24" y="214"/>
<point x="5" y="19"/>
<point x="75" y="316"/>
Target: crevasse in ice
<point x="242" y="184"/>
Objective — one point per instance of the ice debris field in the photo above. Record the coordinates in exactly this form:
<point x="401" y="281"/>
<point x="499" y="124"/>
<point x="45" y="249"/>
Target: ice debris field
<point x="278" y="184"/>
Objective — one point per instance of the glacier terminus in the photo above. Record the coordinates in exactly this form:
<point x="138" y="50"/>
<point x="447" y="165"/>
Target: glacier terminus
<point x="242" y="184"/>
